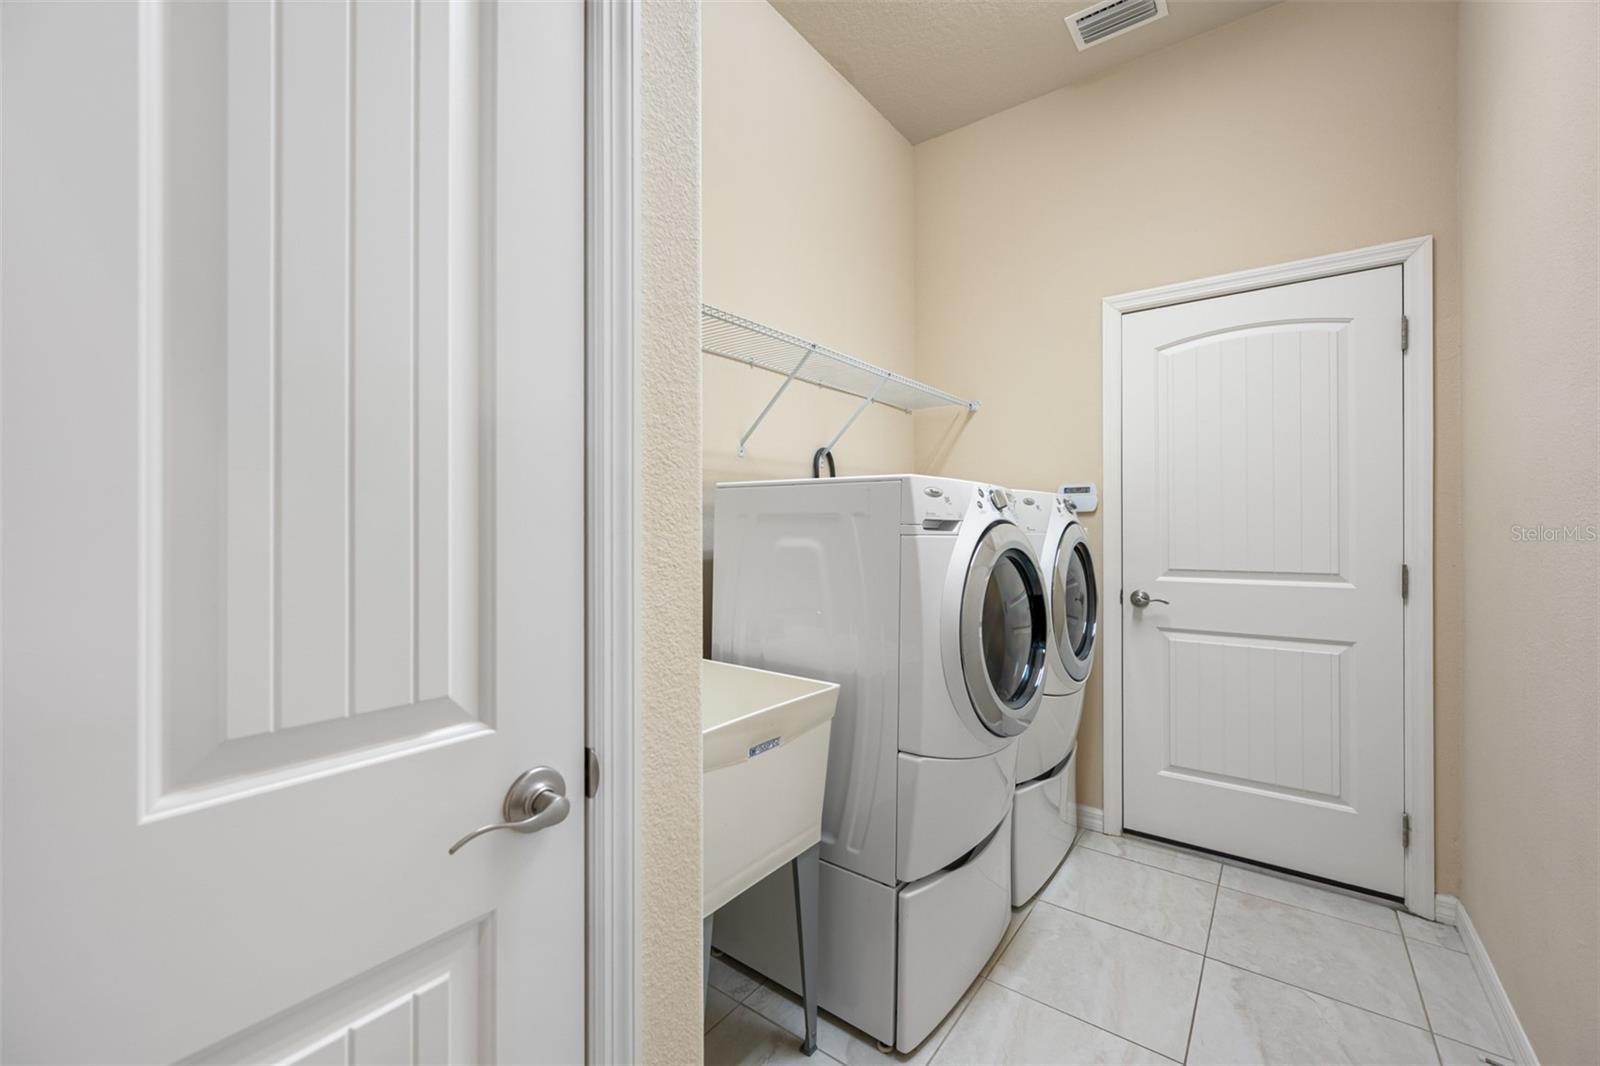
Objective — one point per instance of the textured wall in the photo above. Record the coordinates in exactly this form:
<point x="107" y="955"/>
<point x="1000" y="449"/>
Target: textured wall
<point x="669" y="823"/>
<point x="1530" y="874"/>
<point x="1305" y="129"/>
<point x="808" y="227"/>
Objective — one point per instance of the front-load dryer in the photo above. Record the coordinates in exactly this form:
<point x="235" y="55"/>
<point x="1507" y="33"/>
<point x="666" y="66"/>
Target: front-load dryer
<point x="1044" y="821"/>
<point x="925" y="601"/>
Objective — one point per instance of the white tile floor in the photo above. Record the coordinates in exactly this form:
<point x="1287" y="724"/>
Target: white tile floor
<point x="1139" y="953"/>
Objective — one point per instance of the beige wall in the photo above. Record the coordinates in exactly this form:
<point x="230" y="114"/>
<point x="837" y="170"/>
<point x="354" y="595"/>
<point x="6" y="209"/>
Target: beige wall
<point x="669" y="826"/>
<point x="1530" y="876"/>
<point x="808" y="227"/>
<point x="1306" y="129"/>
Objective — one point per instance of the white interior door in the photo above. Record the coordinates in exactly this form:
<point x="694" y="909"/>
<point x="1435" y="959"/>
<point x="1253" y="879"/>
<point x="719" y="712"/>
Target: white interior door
<point x="292" y="486"/>
<point x="1262" y="481"/>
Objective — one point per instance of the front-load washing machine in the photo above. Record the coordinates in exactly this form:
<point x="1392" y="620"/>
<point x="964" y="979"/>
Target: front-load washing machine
<point x="925" y="601"/>
<point x="1044" y="820"/>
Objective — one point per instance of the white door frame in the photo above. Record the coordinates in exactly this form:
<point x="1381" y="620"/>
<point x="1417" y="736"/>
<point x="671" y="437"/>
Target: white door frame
<point x="612" y="535"/>
<point x="1415" y="257"/>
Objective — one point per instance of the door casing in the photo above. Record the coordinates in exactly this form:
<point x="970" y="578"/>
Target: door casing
<point x="1415" y="257"/>
<point x="611" y="224"/>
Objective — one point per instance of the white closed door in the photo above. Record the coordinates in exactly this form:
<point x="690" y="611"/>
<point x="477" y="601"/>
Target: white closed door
<point x="292" y="484"/>
<point x="1262" y="482"/>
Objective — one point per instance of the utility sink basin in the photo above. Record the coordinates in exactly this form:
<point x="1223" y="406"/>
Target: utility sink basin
<point x="764" y="741"/>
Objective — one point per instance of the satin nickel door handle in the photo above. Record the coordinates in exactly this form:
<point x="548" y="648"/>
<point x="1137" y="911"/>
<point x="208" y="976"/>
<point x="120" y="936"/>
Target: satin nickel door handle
<point x="536" y="800"/>
<point x="1141" y="598"/>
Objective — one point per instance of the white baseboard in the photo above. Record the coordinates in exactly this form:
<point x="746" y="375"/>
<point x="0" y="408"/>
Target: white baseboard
<point x="1450" y="911"/>
<point x="1444" y="909"/>
<point x="1091" y="818"/>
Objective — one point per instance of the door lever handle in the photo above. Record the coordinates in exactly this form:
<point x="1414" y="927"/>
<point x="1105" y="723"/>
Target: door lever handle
<point x="536" y="800"/>
<point x="1141" y="598"/>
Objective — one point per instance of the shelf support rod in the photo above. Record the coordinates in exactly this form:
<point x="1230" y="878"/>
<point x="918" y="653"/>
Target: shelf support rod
<point x="864" y="405"/>
<point x="787" y="378"/>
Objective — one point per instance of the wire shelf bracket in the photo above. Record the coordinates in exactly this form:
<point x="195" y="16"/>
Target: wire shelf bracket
<point x="744" y="341"/>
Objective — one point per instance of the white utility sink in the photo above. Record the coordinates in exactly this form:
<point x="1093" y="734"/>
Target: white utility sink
<point x="764" y="740"/>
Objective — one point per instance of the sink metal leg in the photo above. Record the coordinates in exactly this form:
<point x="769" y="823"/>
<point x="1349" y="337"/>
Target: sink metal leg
<point x="705" y="976"/>
<point x="804" y="868"/>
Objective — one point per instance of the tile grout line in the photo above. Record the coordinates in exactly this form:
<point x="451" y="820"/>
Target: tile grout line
<point x="1208" y="956"/>
<point x="1429" y="943"/>
<point x="718" y="1022"/>
<point x="1124" y="928"/>
<point x="1074" y="1017"/>
<point x="965" y="1002"/>
<point x="1312" y="910"/>
<point x="738" y="1006"/>
<point x="737" y="1003"/>
<point x="1205" y="957"/>
<point x="1484" y="1054"/>
<point x="784" y="995"/>
<point x="1324" y="995"/>
<point x="1151" y="865"/>
<point x="1224" y="867"/>
<point x="972" y="992"/>
<point x="1009" y="939"/>
<point x="1427" y="1016"/>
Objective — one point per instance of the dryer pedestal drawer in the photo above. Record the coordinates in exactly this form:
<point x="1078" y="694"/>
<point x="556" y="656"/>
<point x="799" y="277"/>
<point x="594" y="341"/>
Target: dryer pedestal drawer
<point x="1044" y="821"/>
<point x="947" y="807"/>
<point x="1051" y="735"/>
<point x="950" y="924"/>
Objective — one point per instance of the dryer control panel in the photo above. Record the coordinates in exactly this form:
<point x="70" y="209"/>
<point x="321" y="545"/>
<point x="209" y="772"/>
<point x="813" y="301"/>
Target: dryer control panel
<point x="1081" y="498"/>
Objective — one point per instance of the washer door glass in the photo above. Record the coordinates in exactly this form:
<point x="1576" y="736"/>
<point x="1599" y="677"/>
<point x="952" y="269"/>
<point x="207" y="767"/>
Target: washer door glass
<point x="1073" y="603"/>
<point x="1004" y="630"/>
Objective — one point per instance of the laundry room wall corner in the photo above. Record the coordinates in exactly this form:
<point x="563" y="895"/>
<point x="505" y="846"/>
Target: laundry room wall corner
<point x="669" y="358"/>
<point x="1341" y="134"/>
<point x="808" y="228"/>
<point x="808" y="201"/>
<point x="1530" y="79"/>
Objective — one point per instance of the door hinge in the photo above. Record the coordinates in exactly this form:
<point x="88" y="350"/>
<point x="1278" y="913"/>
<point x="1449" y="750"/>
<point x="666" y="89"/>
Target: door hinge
<point x="1405" y="830"/>
<point x="1405" y="582"/>
<point x="591" y="773"/>
<point x="1405" y="334"/>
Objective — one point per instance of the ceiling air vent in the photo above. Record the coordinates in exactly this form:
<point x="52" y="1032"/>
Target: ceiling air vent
<point x="1104" y="21"/>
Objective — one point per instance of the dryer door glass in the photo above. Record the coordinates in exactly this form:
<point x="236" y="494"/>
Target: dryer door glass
<point x="1073" y="603"/>
<point x="1004" y="630"/>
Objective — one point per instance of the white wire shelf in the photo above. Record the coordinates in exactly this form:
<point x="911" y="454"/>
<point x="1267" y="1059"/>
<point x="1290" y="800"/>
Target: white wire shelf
<point x="732" y="337"/>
